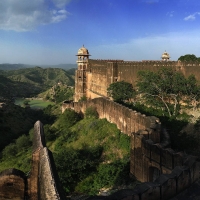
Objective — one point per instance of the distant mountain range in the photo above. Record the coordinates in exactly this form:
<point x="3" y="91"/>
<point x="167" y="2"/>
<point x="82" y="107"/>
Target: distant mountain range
<point x="7" y="66"/>
<point x="27" y="82"/>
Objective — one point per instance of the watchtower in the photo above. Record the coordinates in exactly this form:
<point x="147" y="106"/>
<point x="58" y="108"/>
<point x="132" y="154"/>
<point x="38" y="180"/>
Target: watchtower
<point x="165" y="56"/>
<point x="80" y="75"/>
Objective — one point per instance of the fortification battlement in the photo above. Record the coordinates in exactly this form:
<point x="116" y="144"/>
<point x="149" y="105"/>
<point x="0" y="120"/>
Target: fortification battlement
<point x="38" y="138"/>
<point x="106" y="60"/>
<point x="165" y="172"/>
<point x="127" y="120"/>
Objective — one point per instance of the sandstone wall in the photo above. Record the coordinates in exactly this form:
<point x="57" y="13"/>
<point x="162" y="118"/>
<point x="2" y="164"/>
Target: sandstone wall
<point x="43" y="181"/>
<point x="12" y="184"/>
<point x="163" y="188"/>
<point x="148" y="157"/>
<point x="169" y="171"/>
<point x="127" y="120"/>
<point x="101" y="73"/>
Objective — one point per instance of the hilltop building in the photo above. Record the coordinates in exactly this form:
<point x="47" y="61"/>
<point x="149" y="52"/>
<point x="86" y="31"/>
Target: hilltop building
<point x="93" y="77"/>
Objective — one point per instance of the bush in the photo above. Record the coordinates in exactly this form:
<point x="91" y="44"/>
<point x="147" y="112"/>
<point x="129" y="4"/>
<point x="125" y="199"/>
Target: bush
<point x="68" y="119"/>
<point x="75" y="165"/>
<point x="49" y="133"/>
<point x="23" y="143"/>
<point x="9" y="151"/>
<point x="91" y="113"/>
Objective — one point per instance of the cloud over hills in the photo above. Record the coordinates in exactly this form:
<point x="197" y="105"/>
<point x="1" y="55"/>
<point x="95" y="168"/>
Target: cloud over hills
<point x="23" y="15"/>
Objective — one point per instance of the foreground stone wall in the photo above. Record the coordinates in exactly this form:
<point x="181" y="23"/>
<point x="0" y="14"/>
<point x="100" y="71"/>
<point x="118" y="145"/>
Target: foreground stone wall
<point x="43" y="181"/>
<point x="12" y="184"/>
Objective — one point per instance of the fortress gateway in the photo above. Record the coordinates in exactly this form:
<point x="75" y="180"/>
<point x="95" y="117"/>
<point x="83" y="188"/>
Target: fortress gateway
<point x="93" y="77"/>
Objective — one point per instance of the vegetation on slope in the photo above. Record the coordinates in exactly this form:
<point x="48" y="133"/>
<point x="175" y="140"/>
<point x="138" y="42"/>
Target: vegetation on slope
<point x="90" y="153"/>
<point x="58" y="93"/>
<point x="31" y="81"/>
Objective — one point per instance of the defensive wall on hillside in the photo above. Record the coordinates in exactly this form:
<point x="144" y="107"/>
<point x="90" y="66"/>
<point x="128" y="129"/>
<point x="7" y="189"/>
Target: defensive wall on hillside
<point x="95" y="78"/>
<point x="42" y="183"/>
<point x="43" y="177"/>
<point x="165" y="171"/>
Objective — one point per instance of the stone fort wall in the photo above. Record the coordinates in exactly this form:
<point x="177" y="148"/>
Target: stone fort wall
<point x="127" y="120"/>
<point x="101" y="73"/>
<point x="12" y="184"/>
<point x="165" y="172"/>
<point x="43" y="182"/>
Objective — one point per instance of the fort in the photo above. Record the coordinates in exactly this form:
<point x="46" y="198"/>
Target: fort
<point x="164" y="172"/>
<point x="93" y="77"/>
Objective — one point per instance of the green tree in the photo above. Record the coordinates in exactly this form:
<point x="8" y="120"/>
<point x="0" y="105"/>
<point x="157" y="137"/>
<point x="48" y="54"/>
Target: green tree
<point x="192" y="92"/>
<point x="91" y="112"/>
<point x="166" y="88"/>
<point x="188" y="57"/>
<point x="9" y="151"/>
<point x="23" y="142"/>
<point x="68" y="119"/>
<point x="26" y="102"/>
<point x="121" y="91"/>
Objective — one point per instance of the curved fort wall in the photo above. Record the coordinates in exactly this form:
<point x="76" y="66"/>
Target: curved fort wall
<point x="164" y="171"/>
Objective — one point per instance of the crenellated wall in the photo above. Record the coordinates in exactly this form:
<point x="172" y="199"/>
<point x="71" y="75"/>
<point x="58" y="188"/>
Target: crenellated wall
<point x="101" y="73"/>
<point x="165" y="172"/>
<point x="127" y="120"/>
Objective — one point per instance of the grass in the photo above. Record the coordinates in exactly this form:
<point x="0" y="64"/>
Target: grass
<point x="34" y="103"/>
<point x="110" y="170"/>
<point x="21" y="161"/>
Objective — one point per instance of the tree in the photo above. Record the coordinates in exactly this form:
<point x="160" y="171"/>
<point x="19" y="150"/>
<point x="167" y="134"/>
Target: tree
<point x="121" y="91"/>
<point x="26" y="102"/>
<point x="192" y="92"/>
<point x="188" y="57"/>
<point x="166" y="89"/>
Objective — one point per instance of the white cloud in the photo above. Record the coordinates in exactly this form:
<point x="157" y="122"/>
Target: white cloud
<point x="61" y="3"/>
<point x="191" y="17"/>
<point x="171" y="14"/>
<point x="23" y="15"/>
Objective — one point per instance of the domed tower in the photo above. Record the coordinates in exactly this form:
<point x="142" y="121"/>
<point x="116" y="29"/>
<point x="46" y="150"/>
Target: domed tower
<point x="80" y="75"/>
<point x="165" y="56"/>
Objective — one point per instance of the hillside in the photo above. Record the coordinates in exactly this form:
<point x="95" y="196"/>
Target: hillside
<point x="18" y="82"/>
<point x="7" y="66"/>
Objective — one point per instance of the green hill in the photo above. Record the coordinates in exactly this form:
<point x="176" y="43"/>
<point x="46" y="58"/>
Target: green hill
<point x="32" y="81"/>
<point x="7" y="66"/>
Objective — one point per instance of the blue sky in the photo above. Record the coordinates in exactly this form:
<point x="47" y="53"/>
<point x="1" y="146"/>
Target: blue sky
<point x="51" y="31"/>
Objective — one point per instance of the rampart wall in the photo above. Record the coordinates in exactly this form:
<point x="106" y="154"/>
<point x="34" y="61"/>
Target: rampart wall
<point x="43" y="182"/>
<point x="101" y="73"/>
<point x="165" y="172"/>
<point x="127" y="120"/>
<point x="12" y="184"/>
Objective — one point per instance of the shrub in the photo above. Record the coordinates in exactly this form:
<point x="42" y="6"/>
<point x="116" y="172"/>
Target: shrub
<point x="23" y="142"/>
<point x="91" y="113"/>
<point x="68" y="118"/>
<point x="9" y="151"/>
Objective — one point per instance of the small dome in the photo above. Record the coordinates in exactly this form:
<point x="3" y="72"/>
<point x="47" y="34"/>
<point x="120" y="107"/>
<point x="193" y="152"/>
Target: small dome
<point x="165" y="56"/>
<point x="83" y="51"/>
